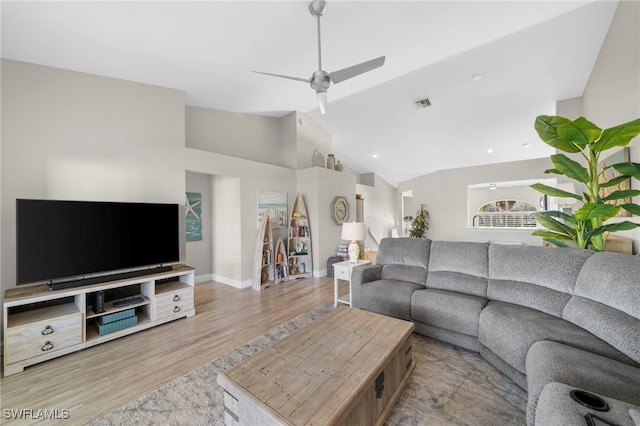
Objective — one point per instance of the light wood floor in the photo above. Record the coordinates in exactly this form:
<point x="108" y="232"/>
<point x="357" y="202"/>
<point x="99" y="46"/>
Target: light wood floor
<point x="100" y="379"/>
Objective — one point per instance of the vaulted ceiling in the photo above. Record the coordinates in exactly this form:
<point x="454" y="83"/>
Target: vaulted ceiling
<point x="528" y="54"/>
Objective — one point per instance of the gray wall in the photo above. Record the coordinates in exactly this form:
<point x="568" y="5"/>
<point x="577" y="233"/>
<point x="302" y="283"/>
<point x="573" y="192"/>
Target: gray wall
<point x="445" y="193"/>
<point x="380" y="202"/>
<point x="69" y="135"/>
<point x="198" y="253"/>
<point x="319" y="187"/>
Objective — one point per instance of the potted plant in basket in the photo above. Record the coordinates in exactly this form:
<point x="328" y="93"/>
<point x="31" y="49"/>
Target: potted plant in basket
<point x="586" y="226"/>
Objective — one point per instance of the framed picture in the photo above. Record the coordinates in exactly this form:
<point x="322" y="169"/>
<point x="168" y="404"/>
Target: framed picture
<point x="621" y="156"/>
<point x="274" y="204"/>
<point x="193" y="219"/>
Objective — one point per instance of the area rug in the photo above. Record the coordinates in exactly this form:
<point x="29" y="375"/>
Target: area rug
<point x="449" y="386"/>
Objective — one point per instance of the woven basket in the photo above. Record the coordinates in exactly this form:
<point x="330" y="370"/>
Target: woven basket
<point x="317" y="159"/>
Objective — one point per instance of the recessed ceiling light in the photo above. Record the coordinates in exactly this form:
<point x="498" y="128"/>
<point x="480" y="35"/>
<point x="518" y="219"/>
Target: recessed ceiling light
<point x="375" y="155"/>
<point x="527" y="145"/>
<point x="476" y="78"/>
<point x="490" y="151"/>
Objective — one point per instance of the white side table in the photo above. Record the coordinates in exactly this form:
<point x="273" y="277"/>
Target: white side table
<point x="342" y="271"/>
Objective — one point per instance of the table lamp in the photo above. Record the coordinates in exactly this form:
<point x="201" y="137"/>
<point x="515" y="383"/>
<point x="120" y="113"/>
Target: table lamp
<point x="355" y="232"/>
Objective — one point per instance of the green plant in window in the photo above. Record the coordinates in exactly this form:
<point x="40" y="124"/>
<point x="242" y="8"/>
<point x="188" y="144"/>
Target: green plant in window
<point x="586" y="226"/>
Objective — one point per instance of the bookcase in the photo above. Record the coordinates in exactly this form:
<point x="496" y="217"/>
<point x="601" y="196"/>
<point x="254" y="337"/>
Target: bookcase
<point x="264" y="258"/>
<point x="299" y="241"/>
<point x="41" y="324"/>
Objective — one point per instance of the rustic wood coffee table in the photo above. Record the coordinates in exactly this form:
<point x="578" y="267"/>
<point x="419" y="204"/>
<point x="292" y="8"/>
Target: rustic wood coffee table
<point x="346" y="368"/>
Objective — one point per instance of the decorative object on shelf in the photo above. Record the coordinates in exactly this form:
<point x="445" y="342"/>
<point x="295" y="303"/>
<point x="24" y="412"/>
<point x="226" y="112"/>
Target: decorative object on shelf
<point x="193" y="219"/>
<point x="420" y="223"/>
<point x="586" y="227"/>
<point x="339" y="166"/>
<point x="340" y="209"/>
<point x="299" y="241"/>
<point x="331" y="162"/>
<point x="263" y="261"/>
<point x="317" y="159"/>
<point x="355" y="232"/>
<point x="275" y="204"/>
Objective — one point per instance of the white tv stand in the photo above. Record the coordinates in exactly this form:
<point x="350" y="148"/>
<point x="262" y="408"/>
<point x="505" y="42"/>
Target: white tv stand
<point x="41" y="324"/>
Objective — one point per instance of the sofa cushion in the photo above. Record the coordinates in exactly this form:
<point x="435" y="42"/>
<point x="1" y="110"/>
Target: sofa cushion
<point x="509" y="330"/>
<point x="449" y="310"/>
<point x="404" y="259"/>
<point x="410" y="273"/>
<point x="555" y="362"/>
<point x="459" y="266"/>
<point x="388" y="297"/>
<point x="404" y="251"/>
<point x="606" y="301"/>
<point x="536" y="277"/>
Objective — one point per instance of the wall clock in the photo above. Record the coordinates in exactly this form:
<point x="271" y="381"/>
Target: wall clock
<point x="340" y="209"/>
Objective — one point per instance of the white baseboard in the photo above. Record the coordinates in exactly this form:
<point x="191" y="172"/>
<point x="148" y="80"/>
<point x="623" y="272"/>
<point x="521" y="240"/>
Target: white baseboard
<point x="232" y="282"/>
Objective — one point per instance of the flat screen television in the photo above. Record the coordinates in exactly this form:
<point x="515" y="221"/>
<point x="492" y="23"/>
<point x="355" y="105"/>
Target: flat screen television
<point x="65" y="241"/>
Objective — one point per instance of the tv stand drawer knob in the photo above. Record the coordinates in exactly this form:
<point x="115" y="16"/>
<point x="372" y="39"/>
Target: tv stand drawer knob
<point x="176" y="298"/>
<point x="47" y="330"/>
<point x="176" y="309"/>
<point x="47" y="346"/>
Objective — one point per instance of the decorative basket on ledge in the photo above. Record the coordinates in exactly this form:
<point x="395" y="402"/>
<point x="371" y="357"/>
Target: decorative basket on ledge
<point x="317" y="159"/>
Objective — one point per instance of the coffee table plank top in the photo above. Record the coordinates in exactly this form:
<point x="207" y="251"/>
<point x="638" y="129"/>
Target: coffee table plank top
<point x="311" y="376"/>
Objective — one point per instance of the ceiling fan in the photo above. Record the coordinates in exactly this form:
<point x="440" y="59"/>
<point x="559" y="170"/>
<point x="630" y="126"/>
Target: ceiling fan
<point x="321" y="80"/>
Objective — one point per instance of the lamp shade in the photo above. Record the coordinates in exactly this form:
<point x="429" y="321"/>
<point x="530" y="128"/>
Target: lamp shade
<point x="353" y="231"/>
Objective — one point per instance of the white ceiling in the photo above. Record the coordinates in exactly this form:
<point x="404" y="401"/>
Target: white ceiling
<point x="529" y="53"/>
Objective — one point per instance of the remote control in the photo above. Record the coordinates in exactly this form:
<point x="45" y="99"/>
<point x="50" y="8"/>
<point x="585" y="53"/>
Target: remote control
<point x="127" y="302"/>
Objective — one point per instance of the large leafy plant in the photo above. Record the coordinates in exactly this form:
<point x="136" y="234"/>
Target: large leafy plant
<point x="586" y="225"/>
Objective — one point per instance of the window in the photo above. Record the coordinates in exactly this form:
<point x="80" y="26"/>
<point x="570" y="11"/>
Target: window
<point x="506" y="214"/>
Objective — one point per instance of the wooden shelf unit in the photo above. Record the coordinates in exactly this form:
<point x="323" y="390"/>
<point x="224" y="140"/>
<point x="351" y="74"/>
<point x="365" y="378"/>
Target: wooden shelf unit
<point x="264" y="258"/>
<point x="282" y="263"/>
<point x="299" y="241"/>
<point x="41" y="324"/>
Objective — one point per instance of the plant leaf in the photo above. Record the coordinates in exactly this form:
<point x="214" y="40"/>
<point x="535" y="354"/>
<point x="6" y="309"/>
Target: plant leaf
<point x="628" y="169"/>
<point x="622" y="194"/>
<point x="547" y="220"/>
<point x="619" y="135"/>
<point x="570" y="168"/>
<point x="546" y="126"/>
<point x="581" y="132"/>
<point x="613" y="182"/>
<point x="552" y="171"/>
<point x="634" y="209"/>
<point x="590" y="211"/>
<point x="615" y="227"/>
<point x="551" y="235"/>
<point x="554" y="192"/>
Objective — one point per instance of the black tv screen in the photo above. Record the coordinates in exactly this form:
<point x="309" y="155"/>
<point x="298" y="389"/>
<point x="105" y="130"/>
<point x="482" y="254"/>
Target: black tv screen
<point x="58" y="240"/>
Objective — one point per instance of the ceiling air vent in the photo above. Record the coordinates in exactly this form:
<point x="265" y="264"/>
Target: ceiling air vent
<point x="423" y="103"/>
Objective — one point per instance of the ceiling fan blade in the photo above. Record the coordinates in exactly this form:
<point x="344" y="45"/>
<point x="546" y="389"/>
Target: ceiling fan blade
<point x="306" y="80"/>
<point x="352" y="71"/>
<point x="322" y="102"/>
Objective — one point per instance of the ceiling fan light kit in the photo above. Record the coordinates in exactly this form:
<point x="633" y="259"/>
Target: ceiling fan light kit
<point x="321" y="80"/>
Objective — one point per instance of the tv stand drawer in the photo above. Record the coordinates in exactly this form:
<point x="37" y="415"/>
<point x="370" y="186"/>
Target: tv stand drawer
<point x="43" y="337"/>
<point x="174" y="303"/>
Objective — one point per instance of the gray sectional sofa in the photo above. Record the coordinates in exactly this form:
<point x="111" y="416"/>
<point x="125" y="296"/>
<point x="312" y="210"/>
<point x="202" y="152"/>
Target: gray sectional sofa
<point x="551" y="319"/>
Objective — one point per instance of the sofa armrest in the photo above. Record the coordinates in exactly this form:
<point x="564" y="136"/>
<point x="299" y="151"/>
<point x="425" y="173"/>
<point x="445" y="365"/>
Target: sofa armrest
<point x="360" y="276"/>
